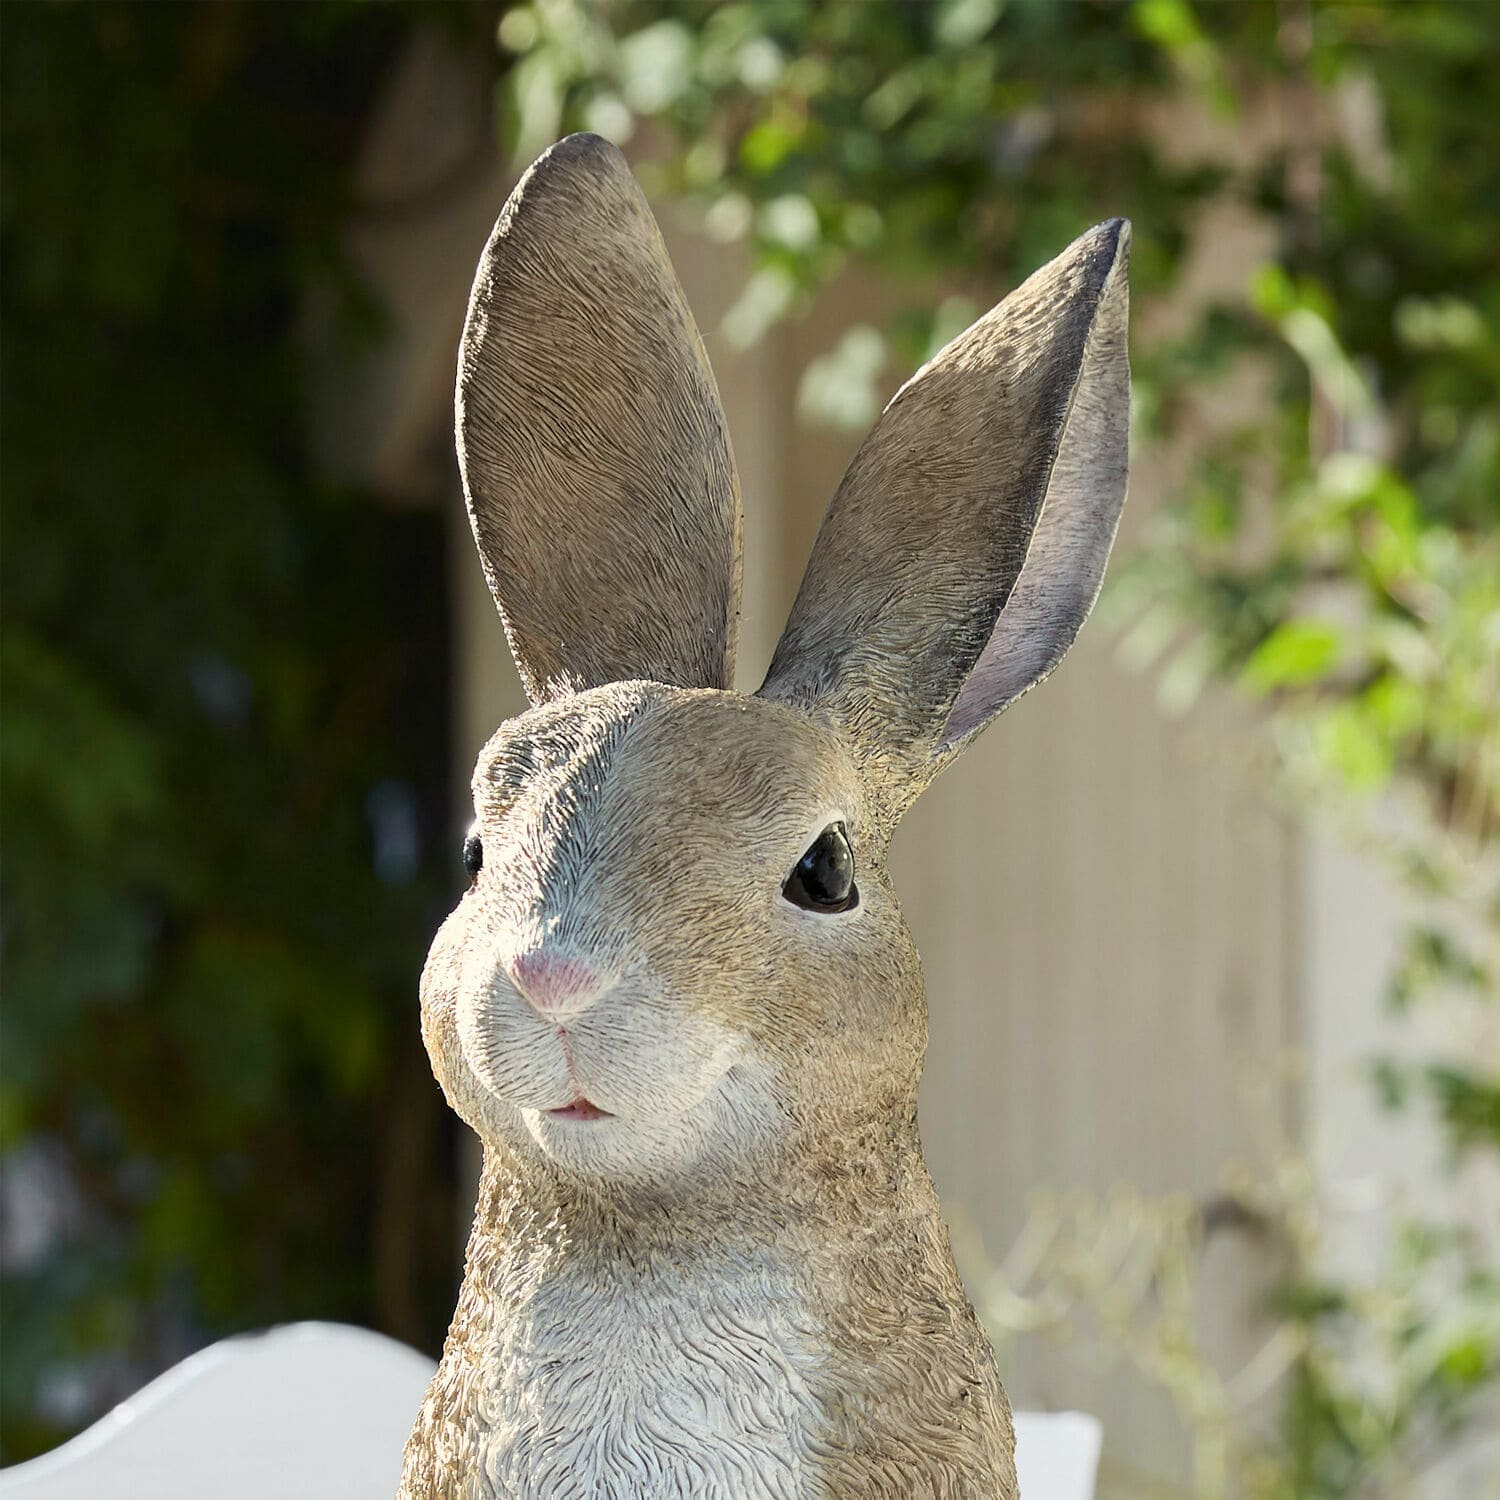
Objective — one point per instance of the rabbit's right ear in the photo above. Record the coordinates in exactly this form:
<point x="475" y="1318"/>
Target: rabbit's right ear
<point x="967" y="541"/>
<point x="594" y="451"/>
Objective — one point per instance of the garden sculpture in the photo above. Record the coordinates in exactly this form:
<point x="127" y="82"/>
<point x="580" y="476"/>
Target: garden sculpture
<point x="678" y="1002"/>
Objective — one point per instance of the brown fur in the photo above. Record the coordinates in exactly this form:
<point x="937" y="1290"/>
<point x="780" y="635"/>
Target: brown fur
<point x="593" y="447"/>
<point x="1004" y="456"/>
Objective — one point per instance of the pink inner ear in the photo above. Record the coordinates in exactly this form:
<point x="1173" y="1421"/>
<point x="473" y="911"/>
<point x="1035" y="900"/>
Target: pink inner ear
<point x="1046" y="609"/>
<point x="1070" y="544"/>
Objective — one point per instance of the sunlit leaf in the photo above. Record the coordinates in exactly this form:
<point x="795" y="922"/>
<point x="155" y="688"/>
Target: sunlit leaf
<point x="1354" y="749"/>
<point x="1294" y="654"/>
<point x="655" y="65"/>
<point x="766" y="297"/>
<point x="961" y="23"/>
<point x="841" y="388"/>
<point x="790" y="220"/>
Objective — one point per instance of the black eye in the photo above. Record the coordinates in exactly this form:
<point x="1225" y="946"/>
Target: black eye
<point x="473" y="856"/>
<point x="824" y="877"/>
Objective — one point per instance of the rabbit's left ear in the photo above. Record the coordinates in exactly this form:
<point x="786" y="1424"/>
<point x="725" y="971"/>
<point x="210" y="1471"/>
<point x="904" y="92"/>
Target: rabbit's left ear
<point x="967" y="541"/>
<point x="594" y="451"/>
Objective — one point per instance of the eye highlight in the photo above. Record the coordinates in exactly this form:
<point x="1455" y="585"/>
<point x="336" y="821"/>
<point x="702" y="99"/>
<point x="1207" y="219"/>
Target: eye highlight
<point x="823" y="879"/>
<point x="473" y="857"/>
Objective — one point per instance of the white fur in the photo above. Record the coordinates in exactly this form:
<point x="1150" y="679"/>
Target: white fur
<point x="680" y="1088"/>
<point x="636" y="1388"/>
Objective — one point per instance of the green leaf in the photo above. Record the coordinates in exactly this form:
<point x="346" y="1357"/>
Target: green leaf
<point x="1467" y="1361"/>
<point x="961" y="23"/>
<point x="1296" y="653"/>
<point x="769" y="144"/>
<point x="1353" y="749"/>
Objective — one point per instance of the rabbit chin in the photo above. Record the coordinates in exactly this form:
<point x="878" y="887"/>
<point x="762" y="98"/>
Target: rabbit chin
<point x="733" y="1118"/>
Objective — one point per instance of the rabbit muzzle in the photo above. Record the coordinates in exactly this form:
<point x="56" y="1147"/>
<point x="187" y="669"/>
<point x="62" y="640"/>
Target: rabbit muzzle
<point x="605" y="1073"/>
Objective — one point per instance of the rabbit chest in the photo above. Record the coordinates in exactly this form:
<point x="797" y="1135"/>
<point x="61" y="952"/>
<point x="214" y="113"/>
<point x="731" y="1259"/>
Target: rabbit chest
<point x="659" y="1384"/>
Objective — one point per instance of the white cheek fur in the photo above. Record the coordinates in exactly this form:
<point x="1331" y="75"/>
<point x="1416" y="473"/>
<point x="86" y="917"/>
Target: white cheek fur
<point x="680" y="1089"/>
<point x="510" y="1049"/>
<point x="738" y="1116"/>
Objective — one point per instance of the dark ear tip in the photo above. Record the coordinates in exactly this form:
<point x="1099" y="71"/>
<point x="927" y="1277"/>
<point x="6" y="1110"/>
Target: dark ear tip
<point x="584" y="148"/>
<point x="582" y="163"/>
<point x="1110" y="241"/>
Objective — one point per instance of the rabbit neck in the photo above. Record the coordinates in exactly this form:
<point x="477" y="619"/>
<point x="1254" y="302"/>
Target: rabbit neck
<point x="771" y="1338"/>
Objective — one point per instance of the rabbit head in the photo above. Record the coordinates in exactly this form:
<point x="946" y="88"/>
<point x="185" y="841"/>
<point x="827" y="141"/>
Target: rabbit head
<point x="680" y="948"/>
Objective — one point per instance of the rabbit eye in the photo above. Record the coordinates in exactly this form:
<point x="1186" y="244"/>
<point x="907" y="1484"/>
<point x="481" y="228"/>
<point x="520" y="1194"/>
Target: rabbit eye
<point x="473" y="856"/>
<point x="823" y="879"/>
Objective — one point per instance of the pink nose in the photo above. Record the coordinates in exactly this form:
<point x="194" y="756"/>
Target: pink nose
<point x="554" y="982"/>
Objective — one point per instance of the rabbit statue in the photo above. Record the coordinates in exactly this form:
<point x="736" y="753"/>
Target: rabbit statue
<point x="678" y="1002"/>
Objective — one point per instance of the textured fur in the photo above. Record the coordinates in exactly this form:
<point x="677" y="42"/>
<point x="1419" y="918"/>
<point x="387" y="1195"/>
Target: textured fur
<point x="593" y="447"/>
<point x="989" y="491"/>
<point x="735" y="1282"/>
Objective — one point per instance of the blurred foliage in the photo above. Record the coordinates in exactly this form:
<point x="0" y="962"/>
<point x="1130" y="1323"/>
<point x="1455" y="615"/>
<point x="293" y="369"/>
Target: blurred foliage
<point x="1329" y="543"/>
<point x="1386" y="1365"/>
<point x="223" y="749"/>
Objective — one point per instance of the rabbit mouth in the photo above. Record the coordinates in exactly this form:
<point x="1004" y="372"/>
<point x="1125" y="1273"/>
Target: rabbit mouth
<point x="580" y="1109"/>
